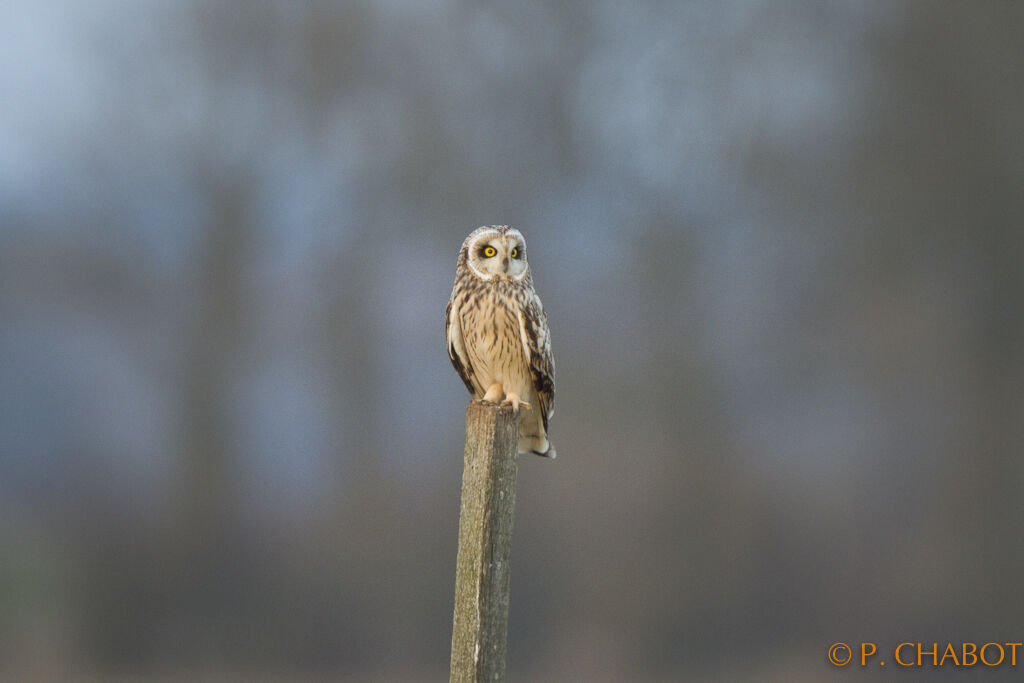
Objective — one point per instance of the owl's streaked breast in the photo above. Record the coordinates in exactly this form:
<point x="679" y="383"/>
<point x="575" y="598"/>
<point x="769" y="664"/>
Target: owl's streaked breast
<point x="491" y="330"/>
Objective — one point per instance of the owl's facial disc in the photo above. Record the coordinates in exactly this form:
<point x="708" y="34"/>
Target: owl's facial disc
<point x="498" y="255"/>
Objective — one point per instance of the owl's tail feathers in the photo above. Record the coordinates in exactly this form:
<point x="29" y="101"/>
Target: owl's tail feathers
<point x="549" y="453"/>
<point x="537" y="444"/>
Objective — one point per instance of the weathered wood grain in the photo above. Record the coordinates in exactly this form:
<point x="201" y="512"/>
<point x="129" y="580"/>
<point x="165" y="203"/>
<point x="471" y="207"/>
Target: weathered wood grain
<point x="490" y="466"/>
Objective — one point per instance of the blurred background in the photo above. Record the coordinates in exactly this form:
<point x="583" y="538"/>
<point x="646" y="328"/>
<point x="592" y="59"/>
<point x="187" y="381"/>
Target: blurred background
<point x="779" y="243"/>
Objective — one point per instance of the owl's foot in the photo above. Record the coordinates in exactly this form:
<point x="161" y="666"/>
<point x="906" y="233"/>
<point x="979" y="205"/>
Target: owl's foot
<point x="513" y="400"/>
<point x="494" y="393"/>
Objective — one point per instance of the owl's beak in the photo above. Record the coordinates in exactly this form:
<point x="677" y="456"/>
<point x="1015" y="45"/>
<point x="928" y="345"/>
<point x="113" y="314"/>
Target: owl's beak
<point x="504" y="263"/>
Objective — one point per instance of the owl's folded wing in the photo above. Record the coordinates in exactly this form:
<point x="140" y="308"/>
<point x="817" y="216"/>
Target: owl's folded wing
<point x="533" y="329"/>
<point x="457" y="349"/>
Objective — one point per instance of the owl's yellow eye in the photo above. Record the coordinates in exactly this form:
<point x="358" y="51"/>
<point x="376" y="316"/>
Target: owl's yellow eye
<point x="489" y="251"/>
<point x="514" y="253"/>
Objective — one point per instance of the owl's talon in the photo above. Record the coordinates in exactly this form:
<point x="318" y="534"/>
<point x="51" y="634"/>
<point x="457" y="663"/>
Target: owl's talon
<point x="514" y="401"/>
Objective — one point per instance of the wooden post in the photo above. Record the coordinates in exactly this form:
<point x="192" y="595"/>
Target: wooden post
<point x="485" y="542"/>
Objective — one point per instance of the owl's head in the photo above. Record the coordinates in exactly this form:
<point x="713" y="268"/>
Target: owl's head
<point x="496" y="252"/>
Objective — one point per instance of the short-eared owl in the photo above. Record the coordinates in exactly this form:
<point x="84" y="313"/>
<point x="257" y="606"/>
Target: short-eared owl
<point x="497" y="332"/>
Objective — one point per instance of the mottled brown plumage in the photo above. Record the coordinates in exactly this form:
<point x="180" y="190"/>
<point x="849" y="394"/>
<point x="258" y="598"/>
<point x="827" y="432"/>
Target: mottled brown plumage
<point x="497" y="332"/>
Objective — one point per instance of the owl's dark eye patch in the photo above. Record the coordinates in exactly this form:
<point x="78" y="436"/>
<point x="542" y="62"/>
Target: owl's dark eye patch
<point x="488" y="251"/>
<point x="516" y="253"/>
